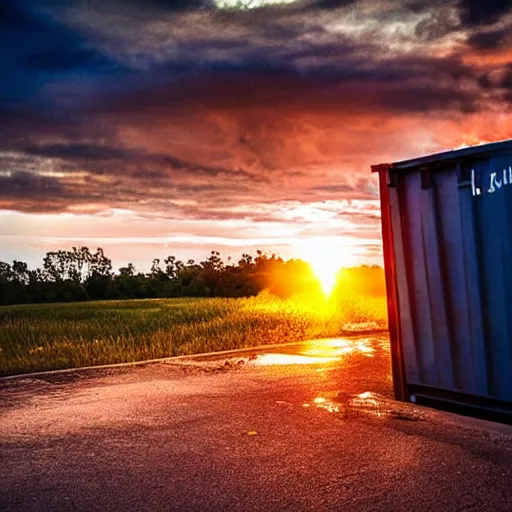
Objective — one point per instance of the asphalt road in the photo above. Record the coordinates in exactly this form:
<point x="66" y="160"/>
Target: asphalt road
<point x="252" y="433"/>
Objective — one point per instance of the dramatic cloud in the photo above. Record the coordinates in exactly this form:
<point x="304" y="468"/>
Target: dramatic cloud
<point x="476" y="12"/>
<point x="259" y="118"/>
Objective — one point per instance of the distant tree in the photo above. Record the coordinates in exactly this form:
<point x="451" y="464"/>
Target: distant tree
<point x="101" y="287"/>
<point x="99" y="264"/>
<point x="77" y="265"/>
<point x="6" y="273"/>
<point x="37" y="276"/>
<point x="56" y="265"/>
<point x="156" y="273"/>
<point x="80" y="274"/>
<point x="128" y="271"/>
<point x="78" y="261"/>
<point x="170" y="267"/>
<point x="212" y="273"/>
<point x="246" y="261"/>
<point x="131" y="285"/>
<point x="20" y="272"/>
<point x="12" y="285"/>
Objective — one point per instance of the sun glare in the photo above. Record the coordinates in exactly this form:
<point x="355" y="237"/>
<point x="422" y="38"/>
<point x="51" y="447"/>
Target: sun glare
<point x="326" y="257"/>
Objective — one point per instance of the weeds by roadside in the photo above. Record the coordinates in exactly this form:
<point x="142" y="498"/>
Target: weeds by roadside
<point x="55" y="336"/>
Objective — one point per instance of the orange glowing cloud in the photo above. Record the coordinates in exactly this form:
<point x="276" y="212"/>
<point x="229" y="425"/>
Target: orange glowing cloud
<point x="189" y="128"/>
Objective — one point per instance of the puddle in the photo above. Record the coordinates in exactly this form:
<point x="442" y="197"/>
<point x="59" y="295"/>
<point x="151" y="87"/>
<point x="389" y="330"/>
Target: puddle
<point x="367" y="404"/>
<point x="283" y="359"/>
<point x="321" y="351"/>
<point x="338" y="347"/>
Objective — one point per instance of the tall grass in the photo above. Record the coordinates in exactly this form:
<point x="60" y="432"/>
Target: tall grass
<point x="55" y="336"/>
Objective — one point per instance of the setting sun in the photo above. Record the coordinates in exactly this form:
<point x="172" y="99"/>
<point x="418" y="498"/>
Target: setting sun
<point x="326" y="257"/>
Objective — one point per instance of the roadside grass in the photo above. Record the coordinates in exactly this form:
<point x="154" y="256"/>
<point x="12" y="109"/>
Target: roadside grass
<point x="56" y="336"/>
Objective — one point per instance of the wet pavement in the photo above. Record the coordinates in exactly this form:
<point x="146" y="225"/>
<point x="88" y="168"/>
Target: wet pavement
<point x="309" y="427"/>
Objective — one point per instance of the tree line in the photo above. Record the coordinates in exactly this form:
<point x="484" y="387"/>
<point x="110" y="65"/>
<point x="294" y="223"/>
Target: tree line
<point x="80" y="274"/>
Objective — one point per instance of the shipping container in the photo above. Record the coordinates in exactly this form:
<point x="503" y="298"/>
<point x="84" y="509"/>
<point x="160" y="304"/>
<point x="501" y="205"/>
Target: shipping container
<point x="447" y="240"/>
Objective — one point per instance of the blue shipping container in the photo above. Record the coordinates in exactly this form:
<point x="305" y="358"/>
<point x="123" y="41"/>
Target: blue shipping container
<point x="447" y="237"/>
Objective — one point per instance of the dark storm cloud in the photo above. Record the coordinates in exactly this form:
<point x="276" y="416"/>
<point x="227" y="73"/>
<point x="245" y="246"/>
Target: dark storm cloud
<point x="124" y="92"/>
<point x="489" y="40"/>
<point x="332" y="4"/>
<point x="407" y="84"/>
<point x="35" y="46"/>
<point x="14" y="17"/>
<point x="29" y="185"/>
<point x="54" y="58"/>
<point x="502" y="82"/>
<point x="420" y="6"/>
<point x="116" y="178"/>
<point x="58" y="49"/>
<point x="33" y="193"/>
<point x="506" y="80"/>
<point x="79" y="152"/>
<point x="129" y="161"/>
<point x="483" y="12"/>
<point x="171" y="5"/>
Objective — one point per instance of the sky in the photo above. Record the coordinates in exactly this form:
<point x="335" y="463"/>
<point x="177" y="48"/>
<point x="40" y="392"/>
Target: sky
<point x="158" y="127"/>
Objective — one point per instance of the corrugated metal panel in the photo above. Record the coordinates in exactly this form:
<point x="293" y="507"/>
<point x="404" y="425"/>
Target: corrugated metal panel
<point x="449" y="219"/>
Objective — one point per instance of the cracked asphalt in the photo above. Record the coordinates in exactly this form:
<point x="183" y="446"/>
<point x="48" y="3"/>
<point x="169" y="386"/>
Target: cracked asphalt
<point x="309" y="427"/>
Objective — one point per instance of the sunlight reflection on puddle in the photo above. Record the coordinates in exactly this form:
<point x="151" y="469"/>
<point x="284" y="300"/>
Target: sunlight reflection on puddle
<point x="368" y="403"/>
<point x="319" y="352"/>
<point x="282" y="359"/>
<point x="337" y="347"/>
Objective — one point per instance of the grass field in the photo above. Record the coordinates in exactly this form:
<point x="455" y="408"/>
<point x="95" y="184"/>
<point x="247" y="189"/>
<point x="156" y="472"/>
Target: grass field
<point x="55" y="336"/>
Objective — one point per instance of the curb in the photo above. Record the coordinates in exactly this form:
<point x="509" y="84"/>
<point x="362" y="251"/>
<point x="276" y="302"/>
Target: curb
<point x="65" y="371"/>
<point x="174" y="358"/>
